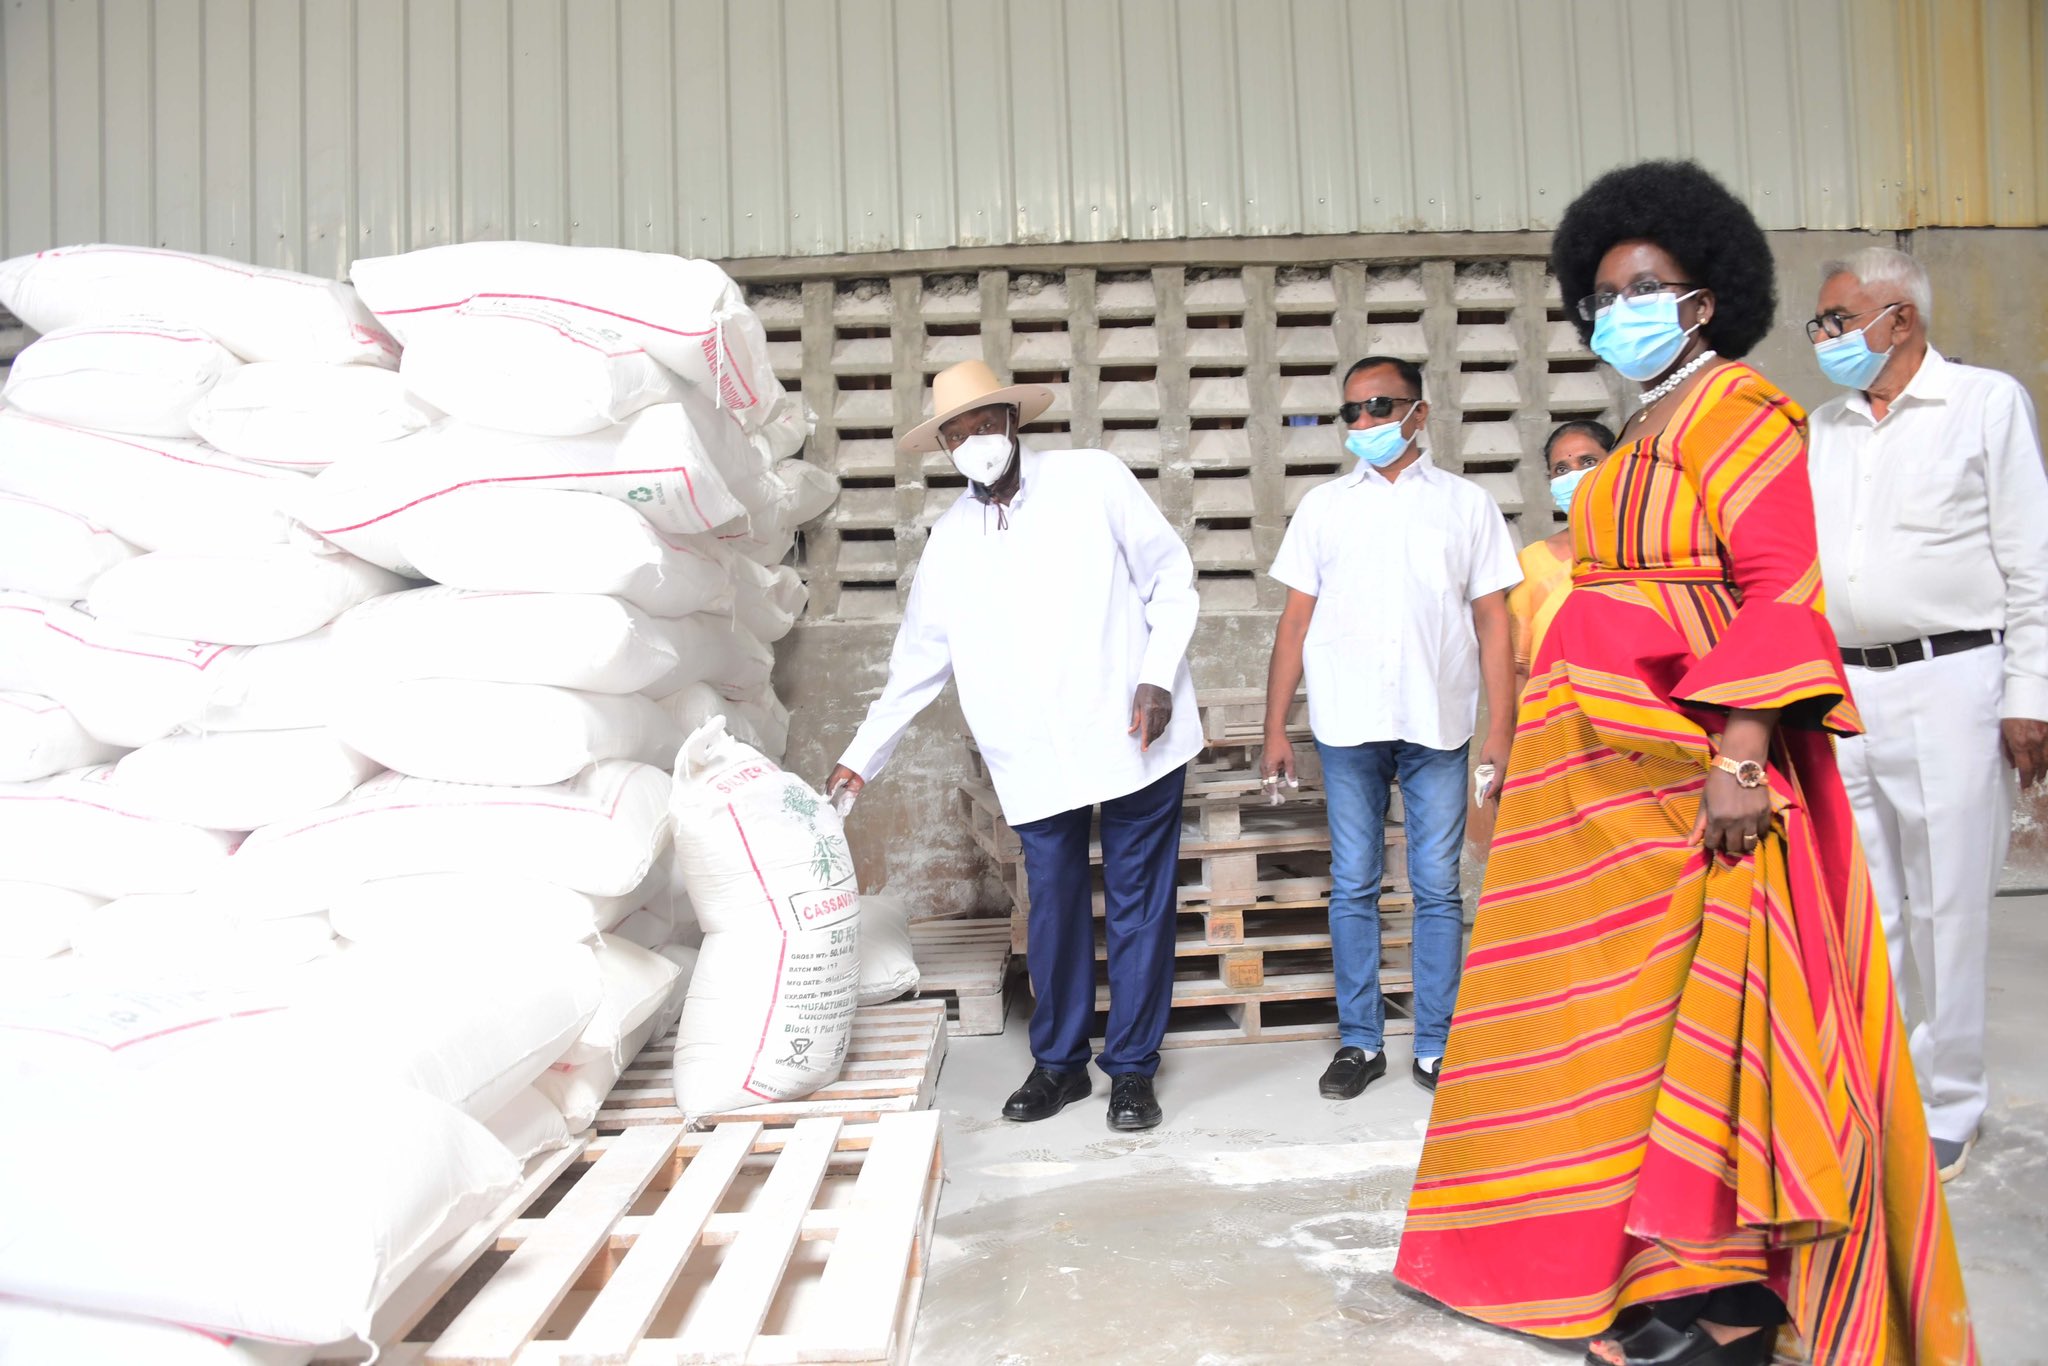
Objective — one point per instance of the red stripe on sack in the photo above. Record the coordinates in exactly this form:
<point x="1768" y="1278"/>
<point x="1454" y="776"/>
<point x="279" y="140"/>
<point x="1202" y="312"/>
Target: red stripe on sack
<point x="781" y="957"/>
<point x="151" y="450"/>
<point x="514" y="479"/>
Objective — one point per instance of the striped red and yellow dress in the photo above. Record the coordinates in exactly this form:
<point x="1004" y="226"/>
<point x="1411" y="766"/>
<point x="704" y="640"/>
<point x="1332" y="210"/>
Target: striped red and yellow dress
<point x="1669" y="1072"/>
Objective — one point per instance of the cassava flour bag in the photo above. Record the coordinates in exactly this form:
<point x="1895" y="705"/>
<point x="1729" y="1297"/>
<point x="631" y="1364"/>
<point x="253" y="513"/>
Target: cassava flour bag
<point x="771" y="1002"/>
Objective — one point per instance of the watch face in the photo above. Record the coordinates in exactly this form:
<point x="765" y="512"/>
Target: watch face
<point x="1750" y="773"/>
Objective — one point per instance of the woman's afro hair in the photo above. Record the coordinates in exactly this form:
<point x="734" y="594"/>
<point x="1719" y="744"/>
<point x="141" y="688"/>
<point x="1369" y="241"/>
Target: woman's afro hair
<point x="1691" y="215"/>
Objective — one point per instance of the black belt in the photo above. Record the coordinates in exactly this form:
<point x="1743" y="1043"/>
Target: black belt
<point x="1913" y="651"/>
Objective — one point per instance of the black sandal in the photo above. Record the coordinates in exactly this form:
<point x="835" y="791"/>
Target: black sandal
<point x="1653" y="1342"/>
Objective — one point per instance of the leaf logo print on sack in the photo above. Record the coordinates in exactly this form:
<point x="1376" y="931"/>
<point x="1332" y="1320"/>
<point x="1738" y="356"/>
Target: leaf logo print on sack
<point x="643" y="494"/>
<point x="826" y="864"/>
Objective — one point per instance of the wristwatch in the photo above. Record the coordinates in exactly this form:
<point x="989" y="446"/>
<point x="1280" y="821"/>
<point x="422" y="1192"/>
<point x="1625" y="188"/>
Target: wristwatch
<point x="1748" y="772"/>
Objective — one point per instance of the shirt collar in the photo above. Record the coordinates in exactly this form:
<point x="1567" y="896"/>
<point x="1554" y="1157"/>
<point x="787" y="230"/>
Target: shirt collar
<point x="1931" y="383"/>
<point x="1366" y="474"/>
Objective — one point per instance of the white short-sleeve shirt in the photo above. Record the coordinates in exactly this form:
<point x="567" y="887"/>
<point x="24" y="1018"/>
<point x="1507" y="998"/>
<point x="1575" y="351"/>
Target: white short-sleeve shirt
<point x="1394" y="566"/>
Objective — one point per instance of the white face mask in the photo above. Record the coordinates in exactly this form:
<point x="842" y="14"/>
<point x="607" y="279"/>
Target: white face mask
<point x="983" y="458"/>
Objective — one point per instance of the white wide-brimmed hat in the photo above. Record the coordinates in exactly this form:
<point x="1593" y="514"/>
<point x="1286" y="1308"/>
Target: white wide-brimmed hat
<point x="969" y="385"/>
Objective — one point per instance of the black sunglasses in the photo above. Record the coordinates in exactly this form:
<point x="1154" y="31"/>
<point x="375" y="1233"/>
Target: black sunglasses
<point x="1378" y="406"/>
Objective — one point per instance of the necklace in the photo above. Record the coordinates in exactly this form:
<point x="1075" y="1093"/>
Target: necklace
<point x="1676" y="378"/>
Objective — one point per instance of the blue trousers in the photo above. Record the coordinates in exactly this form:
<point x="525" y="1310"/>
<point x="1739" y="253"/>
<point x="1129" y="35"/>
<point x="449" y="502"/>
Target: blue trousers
<point x="1357" y="779"/>
<point x="1140" y="854"/>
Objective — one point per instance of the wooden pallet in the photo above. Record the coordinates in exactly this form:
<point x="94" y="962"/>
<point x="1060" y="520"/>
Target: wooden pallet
<point x="672" y="1251"/>
<point x="1279" y="882"/>
<point x="892" y="1066"/>
<point x="1229" y="863"/>
<point x="965" y="962"/>
<point x="1282" y="1010"/>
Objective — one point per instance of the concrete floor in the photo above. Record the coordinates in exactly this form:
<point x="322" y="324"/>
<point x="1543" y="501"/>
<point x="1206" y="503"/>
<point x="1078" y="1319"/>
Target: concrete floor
<point x="1259" y="1223"/>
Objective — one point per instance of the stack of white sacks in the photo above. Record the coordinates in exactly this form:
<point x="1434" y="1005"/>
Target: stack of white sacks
<point x="338" y="685"/>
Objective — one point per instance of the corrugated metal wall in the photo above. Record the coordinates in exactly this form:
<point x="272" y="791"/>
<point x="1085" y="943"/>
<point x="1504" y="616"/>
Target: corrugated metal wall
<point x="309" y="132"/>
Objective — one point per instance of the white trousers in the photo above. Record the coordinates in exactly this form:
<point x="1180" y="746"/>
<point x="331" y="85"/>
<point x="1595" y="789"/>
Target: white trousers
<point x="1933" y="795"/>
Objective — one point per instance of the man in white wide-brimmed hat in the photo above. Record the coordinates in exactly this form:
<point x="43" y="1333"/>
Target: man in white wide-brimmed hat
<point x="1057" y="597"/>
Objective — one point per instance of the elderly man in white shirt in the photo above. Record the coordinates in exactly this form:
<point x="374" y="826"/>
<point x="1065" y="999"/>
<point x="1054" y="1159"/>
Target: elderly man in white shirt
<point x="1397" y="579"/>
<point x="1933" y="516"/>
<point x="1060" y="600"/>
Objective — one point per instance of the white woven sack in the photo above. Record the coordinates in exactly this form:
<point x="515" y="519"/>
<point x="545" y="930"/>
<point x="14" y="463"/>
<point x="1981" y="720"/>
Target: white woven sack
<point x="888" y="969"/>
<point x="35" y="920"/>
<point x="138" y="375"/>
<point x="68" y="831"/>
<point x="759" y="720"/>
<point x="31" y="1333"/>
<point x="257" y="596"/>
<point x="656" y="460"/>
<point x="568" y="640"/>
<point x="128" y="689"/>
<point x="39" y="736"/>
<point x="54" y="553"/>
<point x="714" y="650"/>
<point x="512" y="734"/>
<point x="437" y="912"/>
<point x="771" y="1004"/>
<point x="759" y="539"/>
<point x="578" y="1090"/>
<point x="256" y="312"/>
<point x="328" y="1197"/>
<point x="522" y="365"/>
<point x="184" y="941"/>
<point x="158" y="492"/>
<point x="766" y="600"/>
<point x="636" y="983"/>
<point x="512" y="538"/>
<point x="687" y="314"/>
<point x="528" y="1125"/>
<point x="600" y="832"/>
<point x="239" y="780"/>
<point x="806" y="491"/>
<point x="306" y="416"/>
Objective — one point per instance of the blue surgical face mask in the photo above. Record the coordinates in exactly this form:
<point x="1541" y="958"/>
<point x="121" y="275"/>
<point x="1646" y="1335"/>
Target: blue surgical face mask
<point x="1381" y="446"/>
<point x="1564" y="486"/>
<point x="1848" y="359"/>
<point x="1641" y="337"/>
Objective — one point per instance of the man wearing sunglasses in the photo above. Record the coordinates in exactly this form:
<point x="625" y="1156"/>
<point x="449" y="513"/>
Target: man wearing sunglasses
<point x="1397" y="576"/>
<point x="1932" y="510"/>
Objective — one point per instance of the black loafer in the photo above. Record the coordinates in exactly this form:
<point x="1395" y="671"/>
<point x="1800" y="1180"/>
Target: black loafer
<point x="1132" y="1106"/>
<point x="1659" y="1344"/>
<point x="1045" y="1093"/>
<point x="1350" y="1072"/>
<point x="1426" y="1076"/>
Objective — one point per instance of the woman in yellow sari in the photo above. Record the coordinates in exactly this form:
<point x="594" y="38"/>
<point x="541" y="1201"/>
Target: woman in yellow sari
<point x="1676" y="1109"/>
<point x="1573" y="451"/>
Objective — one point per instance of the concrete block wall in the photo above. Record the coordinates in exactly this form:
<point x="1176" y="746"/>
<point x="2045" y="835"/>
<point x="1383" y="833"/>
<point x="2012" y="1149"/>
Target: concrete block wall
<point x="1218" y="385"/>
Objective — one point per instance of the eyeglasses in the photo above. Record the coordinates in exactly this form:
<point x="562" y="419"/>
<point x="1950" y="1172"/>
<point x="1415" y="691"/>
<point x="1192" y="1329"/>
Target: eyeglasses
<point x="1379" y="405"/>
<point x="1834" y="324"/>
<point x="996" y="423"/>
<point x="1593" y="305"/>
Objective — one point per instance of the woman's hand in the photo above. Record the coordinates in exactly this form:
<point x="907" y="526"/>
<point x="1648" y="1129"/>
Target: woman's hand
<point x="1733" y="818"/>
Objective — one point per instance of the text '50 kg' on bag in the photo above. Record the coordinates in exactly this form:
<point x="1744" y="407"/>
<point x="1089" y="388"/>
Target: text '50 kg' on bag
<point x="771" y="1003"/>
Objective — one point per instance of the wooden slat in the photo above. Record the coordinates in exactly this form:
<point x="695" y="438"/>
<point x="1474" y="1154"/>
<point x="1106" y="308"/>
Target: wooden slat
<point x="513" y="1306"/>
<point x="736" y="1302"/>
<point x="420" y="1291"/>
<point x="878" y="1235"/>
<point x="619" y="1316"/>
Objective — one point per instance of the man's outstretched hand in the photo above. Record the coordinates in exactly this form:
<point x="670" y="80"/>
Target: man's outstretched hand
<point x="1151" y="709"/>
<point x="842" y="776"/>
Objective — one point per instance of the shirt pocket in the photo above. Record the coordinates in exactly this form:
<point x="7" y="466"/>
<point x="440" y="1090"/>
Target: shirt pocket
<point x="1938" y="494"/>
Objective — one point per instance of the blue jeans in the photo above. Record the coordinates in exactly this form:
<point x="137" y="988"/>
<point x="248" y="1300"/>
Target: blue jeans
<point x="1358" y="780"/>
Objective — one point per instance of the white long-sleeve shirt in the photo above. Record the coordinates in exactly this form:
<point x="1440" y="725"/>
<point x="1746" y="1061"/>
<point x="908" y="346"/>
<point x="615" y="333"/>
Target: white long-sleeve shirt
<point x="1048" y="624"/>
<point x="1936" y="519"/>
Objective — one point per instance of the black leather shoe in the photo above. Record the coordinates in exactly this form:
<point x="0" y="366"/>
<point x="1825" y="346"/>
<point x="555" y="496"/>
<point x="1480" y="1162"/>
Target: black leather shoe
<point x="1426" y="1076"/>
<point x="1657" y="1343"/>
<point x="1132" y="1105"/>
<point x="1350" y="1072"/>
<point x="1045" y="1093"/>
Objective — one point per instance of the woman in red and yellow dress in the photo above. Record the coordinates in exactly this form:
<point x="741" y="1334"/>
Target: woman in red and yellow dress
<point x="1677" y="1109"/>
